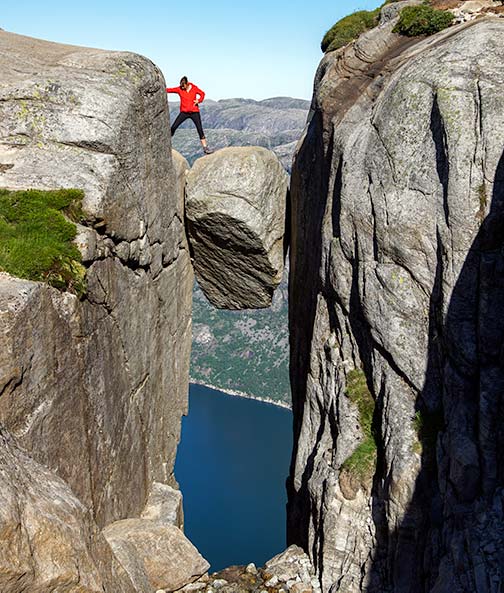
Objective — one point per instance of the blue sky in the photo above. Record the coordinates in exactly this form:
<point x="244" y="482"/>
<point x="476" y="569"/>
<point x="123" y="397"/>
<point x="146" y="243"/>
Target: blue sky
<point x="254" y="49"/>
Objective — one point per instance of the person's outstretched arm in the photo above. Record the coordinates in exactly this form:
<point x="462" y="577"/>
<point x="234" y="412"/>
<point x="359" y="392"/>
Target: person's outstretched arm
<point x="175" y="89"/>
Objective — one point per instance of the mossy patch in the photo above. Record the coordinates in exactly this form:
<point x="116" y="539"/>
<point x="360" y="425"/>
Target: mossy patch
<point x="362" y="462"/>
<point x="483" y="201"/>
<point x="422" y="20"/>
<point x="36" y="234"/>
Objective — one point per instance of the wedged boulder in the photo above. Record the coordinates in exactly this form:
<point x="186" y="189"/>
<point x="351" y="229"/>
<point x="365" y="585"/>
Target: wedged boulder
<point x="155" y="554"/>
<point x="235" y="209"/>
<point x="48" y="541"/>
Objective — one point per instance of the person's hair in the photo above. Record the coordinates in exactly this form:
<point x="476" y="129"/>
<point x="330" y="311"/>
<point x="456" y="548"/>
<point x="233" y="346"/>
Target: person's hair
<point x="183" y="80"/>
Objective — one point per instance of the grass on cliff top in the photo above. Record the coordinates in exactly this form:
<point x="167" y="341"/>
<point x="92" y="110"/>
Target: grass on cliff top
<point x="361" y="463"/>
<point x="36" y="237"/>
<point x="350" y="27"/>
<point x="413" y="21"/>
<point x="422" y="20"/>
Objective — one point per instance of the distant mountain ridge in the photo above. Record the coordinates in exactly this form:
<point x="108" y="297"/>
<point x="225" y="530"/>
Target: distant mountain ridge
<point x="275" y="123"/>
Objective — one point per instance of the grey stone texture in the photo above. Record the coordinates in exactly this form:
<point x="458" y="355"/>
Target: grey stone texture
<point x="47" y="542"/>
<point x="95" y="389"/>
<point x="155" y="555"/>
<point x="164" y="505"/>
<point x="392" y="10"/>
<point x="235" y="208"/>
<point x="291" y="571"/>
<point x="396" y="269"/>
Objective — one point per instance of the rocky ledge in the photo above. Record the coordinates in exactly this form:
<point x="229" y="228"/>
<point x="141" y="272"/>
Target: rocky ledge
<point x="288" y="572"/>
<point x="92" y="388"/>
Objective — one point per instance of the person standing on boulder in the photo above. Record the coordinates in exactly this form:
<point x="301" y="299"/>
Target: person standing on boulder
<point x="190" y="97"/>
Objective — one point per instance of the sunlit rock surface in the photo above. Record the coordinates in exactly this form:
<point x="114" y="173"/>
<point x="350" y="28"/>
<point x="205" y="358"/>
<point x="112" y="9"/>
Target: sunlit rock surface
<point x="94" y="389"/>
<point x="235" y="208"/>
<point x="47" y="541"/>
<point x="155" y="555"/>
<point x="396" y="277"/>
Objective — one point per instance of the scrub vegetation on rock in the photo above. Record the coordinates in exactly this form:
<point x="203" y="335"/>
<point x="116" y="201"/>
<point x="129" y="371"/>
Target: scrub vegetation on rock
<point x="350" y="27"/>
<point x="361" y="463"/>
<point x="422" y="20"/>
<point x="36" y="237"/>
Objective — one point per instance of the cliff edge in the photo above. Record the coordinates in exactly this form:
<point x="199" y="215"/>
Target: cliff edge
<point x="395" y="299"/>
<point x="93" y="388"/>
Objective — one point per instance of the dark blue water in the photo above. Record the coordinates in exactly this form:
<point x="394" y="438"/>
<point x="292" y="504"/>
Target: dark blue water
<point x="232" y="464"/>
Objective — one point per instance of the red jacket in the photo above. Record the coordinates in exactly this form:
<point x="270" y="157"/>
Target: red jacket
<point x="188" y="97"/>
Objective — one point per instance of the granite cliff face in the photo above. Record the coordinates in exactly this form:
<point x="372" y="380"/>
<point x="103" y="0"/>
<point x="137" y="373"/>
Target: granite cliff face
<point x="396" y="337"/>
<point x="93" y="389"/>
<point x="396" y="287"/>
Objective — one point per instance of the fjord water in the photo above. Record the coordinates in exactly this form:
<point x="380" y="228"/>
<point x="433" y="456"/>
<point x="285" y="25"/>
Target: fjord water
<point x="232" y="464"/>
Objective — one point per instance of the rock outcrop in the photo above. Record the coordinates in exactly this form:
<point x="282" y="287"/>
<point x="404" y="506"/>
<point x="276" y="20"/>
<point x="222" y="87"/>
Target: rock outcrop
<point x="396" y="287"/>
<point x="47" y="542"/>
<point x="155" y="555"/>
<point x="164" y="505"/>
<point x="94" y="389"/>
<point x="235" y="208"/>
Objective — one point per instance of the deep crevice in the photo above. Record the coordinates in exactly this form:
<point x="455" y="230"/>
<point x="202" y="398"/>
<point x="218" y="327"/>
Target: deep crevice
<point x="442" y="162"/>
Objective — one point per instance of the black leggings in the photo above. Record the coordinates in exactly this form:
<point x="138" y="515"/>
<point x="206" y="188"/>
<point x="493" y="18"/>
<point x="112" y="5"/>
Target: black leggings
<point x="195" y="116"/>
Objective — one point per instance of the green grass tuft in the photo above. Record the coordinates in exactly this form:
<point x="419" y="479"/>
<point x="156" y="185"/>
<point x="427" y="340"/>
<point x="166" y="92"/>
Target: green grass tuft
<point x="362" y="462"/>
<point x="359" y="394"/>
<point x="413" y="21"/>
<point x="422" y="20"/>
<point x="349" y="28"/>
<point x="36" y="237"/>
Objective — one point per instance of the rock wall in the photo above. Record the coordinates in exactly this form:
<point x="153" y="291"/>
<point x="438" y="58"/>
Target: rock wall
<point x="94" y="389"/>
<point x="396" y="275"/>
<point x="47" y="540"/>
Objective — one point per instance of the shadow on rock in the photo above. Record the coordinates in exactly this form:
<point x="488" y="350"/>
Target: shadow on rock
<point x="451" y="536"/>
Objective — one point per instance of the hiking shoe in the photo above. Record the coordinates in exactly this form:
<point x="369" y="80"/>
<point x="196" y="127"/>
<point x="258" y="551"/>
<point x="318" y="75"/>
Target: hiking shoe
<point x="207" y="150"/>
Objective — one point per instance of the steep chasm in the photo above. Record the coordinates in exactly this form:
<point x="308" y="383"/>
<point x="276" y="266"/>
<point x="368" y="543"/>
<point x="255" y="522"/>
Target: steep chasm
<point x="93" y="385"/>
<point x="395" y="314"/>
<point x="92" y="389"/>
